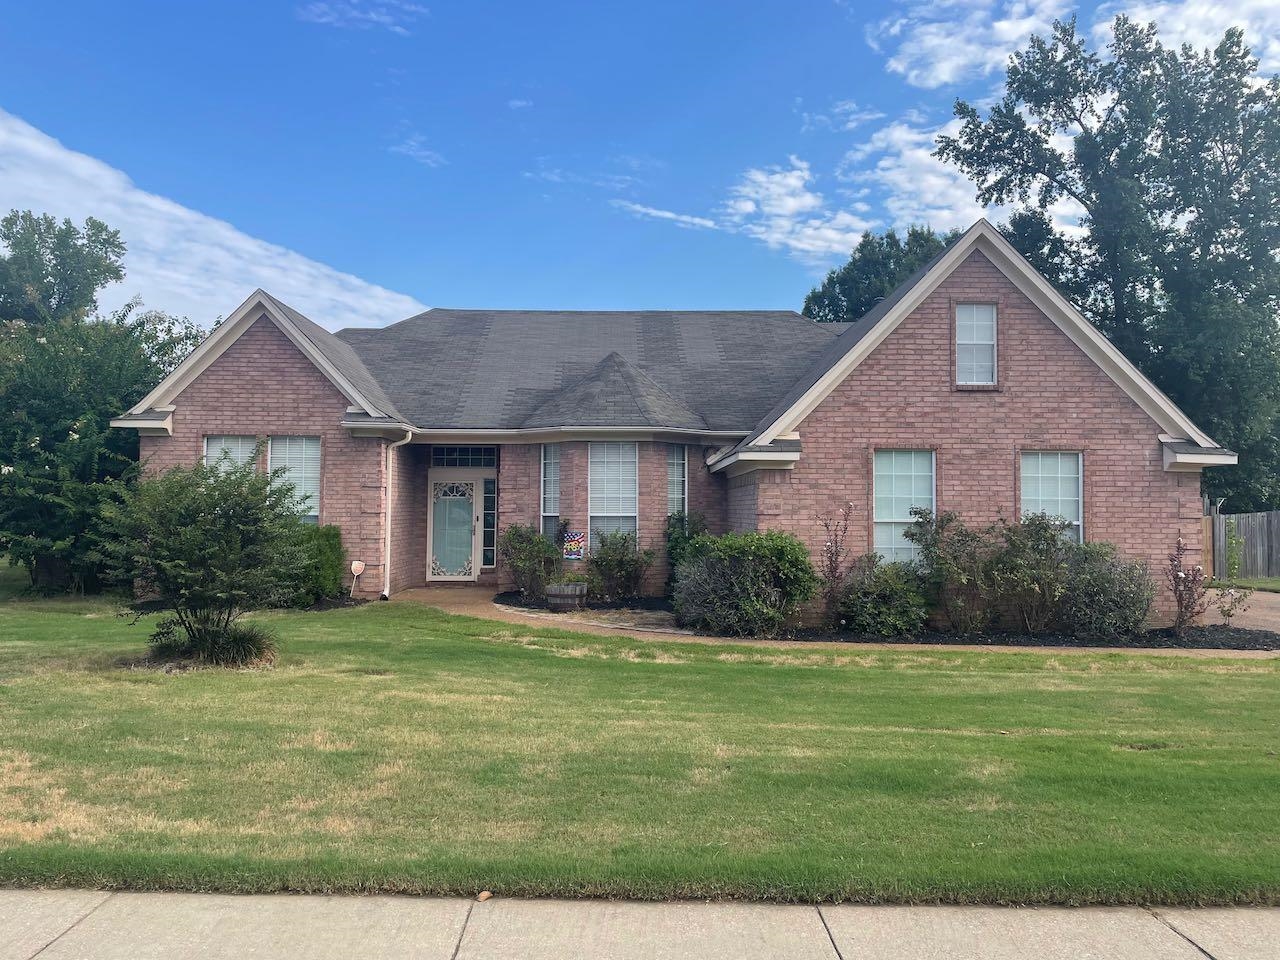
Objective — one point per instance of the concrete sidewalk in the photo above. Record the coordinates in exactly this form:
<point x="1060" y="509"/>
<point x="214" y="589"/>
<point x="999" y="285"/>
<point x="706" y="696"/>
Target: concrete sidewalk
<point x="88" y="925"/>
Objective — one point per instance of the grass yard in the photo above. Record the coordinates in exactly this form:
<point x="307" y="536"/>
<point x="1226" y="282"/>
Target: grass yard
<point x="1269" y="584"/>
<point x="395" y="748"/>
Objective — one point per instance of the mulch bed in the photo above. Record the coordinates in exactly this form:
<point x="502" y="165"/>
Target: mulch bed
<point x="337" y="603"/>
<point x="1214" y="636"/>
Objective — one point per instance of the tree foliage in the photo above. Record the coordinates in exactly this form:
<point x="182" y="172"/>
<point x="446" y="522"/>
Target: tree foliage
<point x="207" y="543"/>
<point x="877" y="265"/>
<point x="1171" y="160"/>
<point x="52" y="271"/>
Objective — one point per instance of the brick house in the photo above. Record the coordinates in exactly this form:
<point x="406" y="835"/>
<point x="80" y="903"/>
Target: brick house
<point x="974" y="387"/>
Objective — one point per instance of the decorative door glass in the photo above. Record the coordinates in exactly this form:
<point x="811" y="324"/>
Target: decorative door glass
<point x="453" y="528"/>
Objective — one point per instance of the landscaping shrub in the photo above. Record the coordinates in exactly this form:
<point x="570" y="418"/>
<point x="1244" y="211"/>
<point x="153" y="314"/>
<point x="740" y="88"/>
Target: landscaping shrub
<point x="1107" y="596"/>
<point x="208" y="543"/>
<point x="957" y="566"/>
<point x="326" y="562"/>
<point x="728" y="595"/>
<point x="682" y="528"/>
<point x="883" y="599"/>
<point x="1030" y="570"/>
<point x="743" y="584"/>
<point x="1187" y="584"/>
<point x="531" y="559"/>
<point x="618" y="565"/>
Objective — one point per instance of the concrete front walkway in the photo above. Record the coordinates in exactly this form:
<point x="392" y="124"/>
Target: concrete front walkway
<point x="93" y="925"/>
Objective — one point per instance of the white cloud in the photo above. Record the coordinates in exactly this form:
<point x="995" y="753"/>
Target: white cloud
<point x="517" y="104"/>
<point x="1202" y="23"/>
<point x="777" y="206"/>
<point x="653" y="213"/>
<point x="937" y="42"/>
<point x="180" y="260"/>
<point x="415" y="148"/>
<point x="562" y="176"/>
<point x="842" y="115"/>
<point x="393" y="15"/>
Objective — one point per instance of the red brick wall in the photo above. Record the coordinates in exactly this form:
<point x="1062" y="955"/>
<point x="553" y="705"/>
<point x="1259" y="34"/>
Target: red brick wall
<point x="1050" y="397"/>
<point x="409" y="516"/>
<point x="263" y="385"/>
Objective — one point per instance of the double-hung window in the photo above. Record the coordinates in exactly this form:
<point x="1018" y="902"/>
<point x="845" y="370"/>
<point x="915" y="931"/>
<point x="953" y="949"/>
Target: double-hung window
<point x="976" y="344"/>
<point x="300" y="458"/>
<point x="1053" y="484"/>
<point x="612" y="487"/>
<point x="903" y="480"/>
<point x="238" y="449"/>
<point x="550" y="489"/>
<point x="677" y="478"/>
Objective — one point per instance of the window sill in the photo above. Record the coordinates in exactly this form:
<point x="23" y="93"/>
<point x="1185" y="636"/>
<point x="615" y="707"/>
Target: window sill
<point x="977" y="387"/>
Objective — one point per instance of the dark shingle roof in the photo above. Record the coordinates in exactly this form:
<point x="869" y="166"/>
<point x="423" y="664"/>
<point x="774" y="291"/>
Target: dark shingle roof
<point x="507" y="369"/>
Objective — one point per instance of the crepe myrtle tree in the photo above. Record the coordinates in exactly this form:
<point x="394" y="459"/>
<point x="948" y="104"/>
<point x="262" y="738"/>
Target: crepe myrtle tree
<point x="205" y="544"/>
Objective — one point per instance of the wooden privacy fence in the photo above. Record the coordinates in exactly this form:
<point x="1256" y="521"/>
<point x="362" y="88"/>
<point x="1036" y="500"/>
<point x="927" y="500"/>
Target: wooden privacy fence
<point x="1259" y="535"/>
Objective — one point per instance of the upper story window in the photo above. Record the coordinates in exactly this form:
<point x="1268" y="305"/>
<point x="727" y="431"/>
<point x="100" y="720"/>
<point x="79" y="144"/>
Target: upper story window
<point x="677" y="478"/>
<point x="300" y="458"/>
<point x="612" y="487"/>
<point x="442" y="456"/>
<point x="903" y="479"/>
<point x="975" y="344"/>
<point x="238" y="449"/>
<point x="550" y="489"/>
<point x="1053" y="484"/>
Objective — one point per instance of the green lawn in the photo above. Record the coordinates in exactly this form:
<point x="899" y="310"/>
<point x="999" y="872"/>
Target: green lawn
<point x="1270" y="584"/>
<point x="398" y="749"/>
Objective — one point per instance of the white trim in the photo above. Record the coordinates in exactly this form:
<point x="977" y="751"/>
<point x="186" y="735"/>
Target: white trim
<point x="145" y="426"/>
<point x="984" y="237"/>
<point x="226" y="333"/>
<point x="476" y="477"/>
<point x="1179" y="462"/>
<point x="535" y="434"/>
<point x="746" y="461"/>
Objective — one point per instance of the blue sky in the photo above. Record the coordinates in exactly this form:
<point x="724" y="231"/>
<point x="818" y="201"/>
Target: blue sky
<point x="361" y="159"/>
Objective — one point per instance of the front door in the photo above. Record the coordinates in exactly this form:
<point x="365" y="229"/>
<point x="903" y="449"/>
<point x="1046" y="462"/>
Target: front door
<point x="453" y="530"/>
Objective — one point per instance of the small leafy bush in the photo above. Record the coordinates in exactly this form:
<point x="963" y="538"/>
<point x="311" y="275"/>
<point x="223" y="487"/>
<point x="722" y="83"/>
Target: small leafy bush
<point x="618" y="564"/>
<point x="325" y="565"/>
<point x="883" y="599"/>
<point x="727" y="595"/>
<point x="1187" y="584"/>
<point x="957" y="566"/>
<point x="1030" y="571"/>
<point x="208" y="543"/>
<point x="530" y="557"/>
<point x="682" y="529"/>
<point x="774" y="577"/>
<point x="1107" y="596"/>
<point x="834" y="567"/>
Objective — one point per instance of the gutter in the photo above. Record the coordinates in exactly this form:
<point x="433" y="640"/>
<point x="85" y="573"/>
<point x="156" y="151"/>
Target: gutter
<point x="386" y="546"/>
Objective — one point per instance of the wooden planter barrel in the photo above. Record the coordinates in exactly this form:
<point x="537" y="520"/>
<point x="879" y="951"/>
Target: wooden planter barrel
<point x="565" y="596"/>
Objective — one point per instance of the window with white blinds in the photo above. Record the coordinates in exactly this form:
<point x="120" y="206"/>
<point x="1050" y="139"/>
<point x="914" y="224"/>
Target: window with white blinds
<point x="612" y="487"/>
<point x="677" y="478"/>
<point x="239" y="449"/>
<point x="903" y="480"/>
<point x="1052" y="484"/>
<point x="550" y="490"/>
<point x="976" y="344"/>
<point x="300" y="458"/>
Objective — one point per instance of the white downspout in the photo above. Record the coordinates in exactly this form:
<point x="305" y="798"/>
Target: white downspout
<point x="386" y="546"/>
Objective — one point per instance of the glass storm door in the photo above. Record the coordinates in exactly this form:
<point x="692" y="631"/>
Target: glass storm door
<point x="453" y="530"/>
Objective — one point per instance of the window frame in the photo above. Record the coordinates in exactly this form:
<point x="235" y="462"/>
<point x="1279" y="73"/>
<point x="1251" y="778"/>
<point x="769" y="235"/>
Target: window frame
<point x="226" y="436"/>
<point x="933" y="496"/>
<point x="542" y="488"/>
<point x="313" y="504"/>
<point x="994" y="343"/>
<point x="1022" y="479"/>
<point x="635" y="449"/>
<point x="684" y="480"/>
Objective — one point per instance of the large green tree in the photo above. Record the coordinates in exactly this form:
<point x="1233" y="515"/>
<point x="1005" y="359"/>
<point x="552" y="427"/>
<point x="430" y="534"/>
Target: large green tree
<point x="52" y="270"/>
<point x="1171" y="160"/>
<point x="877" y="265"/>
<point x="63" y="376"/>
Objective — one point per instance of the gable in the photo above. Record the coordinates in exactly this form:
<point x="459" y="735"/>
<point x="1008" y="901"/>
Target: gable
<point x="865" y="336"/>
